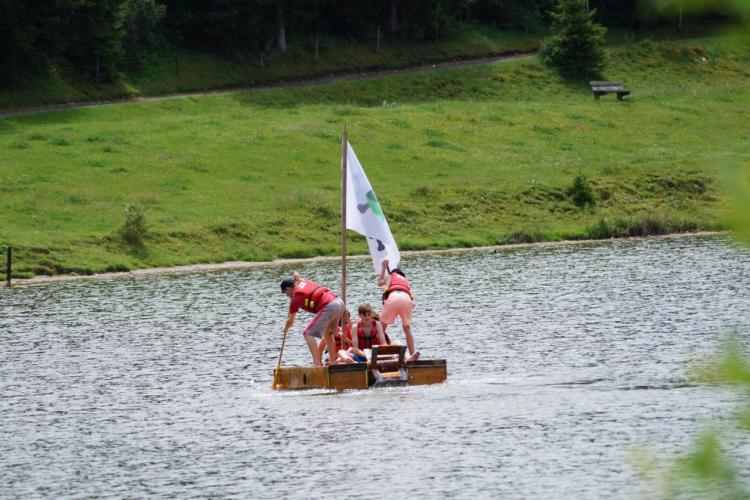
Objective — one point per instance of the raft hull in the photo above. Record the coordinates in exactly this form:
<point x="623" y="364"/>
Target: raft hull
<point x="358" y="376"/>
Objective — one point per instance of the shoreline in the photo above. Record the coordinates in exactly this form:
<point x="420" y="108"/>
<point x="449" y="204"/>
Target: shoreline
<point x="241" y="265"/>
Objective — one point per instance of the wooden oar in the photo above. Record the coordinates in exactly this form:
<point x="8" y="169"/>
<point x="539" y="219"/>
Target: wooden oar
<point x="278" y="364"/>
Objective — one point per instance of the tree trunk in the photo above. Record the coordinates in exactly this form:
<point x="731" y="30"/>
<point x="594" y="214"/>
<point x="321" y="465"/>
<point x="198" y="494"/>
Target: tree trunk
<point x="393" y="18"/>
<point x="280" y="28"/>
<point x="317" y="30"/>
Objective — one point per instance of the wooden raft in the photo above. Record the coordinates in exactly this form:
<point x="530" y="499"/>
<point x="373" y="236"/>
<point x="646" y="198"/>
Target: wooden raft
<point x="387" y="367"/>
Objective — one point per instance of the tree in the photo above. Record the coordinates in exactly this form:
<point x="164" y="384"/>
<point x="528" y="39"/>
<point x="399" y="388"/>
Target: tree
<point x="393" y="16"/>
<point x="142" y="26"/>
<point x="280" y="27"/>
<point x="576" y="48"/>
<point x="93" y="37"/>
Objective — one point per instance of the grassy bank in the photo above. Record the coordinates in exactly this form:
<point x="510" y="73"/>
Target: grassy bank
<point x="463" y="157"/>
<point x="171" y="72"/>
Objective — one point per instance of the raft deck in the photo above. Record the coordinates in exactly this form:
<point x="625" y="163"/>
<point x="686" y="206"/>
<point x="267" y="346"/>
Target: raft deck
<point x="387" y="367"/>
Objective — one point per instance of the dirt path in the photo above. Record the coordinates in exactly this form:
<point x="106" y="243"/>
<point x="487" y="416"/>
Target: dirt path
<point x="354" y="75"/>
<point x="239" y="265"/>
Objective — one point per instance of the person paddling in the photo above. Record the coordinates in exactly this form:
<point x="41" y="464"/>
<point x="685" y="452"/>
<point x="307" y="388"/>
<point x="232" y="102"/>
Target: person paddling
<point x="397" y="301"/>
<point x="318" y="300"/>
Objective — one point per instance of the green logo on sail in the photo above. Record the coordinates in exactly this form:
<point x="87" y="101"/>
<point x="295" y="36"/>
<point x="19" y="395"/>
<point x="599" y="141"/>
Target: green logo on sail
<point x="372" y="204"/>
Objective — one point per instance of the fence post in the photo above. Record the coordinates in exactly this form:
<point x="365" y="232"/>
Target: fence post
<point x="8" y="254"/>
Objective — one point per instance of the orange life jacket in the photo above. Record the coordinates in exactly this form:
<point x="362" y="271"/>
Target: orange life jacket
<point x="397" y="283"/>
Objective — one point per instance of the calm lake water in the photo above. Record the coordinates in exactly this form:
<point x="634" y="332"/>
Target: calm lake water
<point x="563" y="363"/>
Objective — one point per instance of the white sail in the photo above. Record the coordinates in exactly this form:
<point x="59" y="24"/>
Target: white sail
<point x="365" y="216"/>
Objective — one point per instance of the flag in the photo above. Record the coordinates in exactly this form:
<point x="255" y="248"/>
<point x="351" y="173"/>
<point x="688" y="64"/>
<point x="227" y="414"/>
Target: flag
<point x="364" y="215"/>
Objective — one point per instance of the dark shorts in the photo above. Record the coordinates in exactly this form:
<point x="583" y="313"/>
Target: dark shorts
<point x="358" y="358"/>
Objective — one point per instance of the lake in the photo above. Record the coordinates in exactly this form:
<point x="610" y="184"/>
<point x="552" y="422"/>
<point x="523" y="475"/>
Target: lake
<point x="564" y="362"/>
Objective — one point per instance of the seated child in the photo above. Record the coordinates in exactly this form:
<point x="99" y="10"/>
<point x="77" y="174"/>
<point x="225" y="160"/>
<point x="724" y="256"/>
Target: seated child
<point x="369" y="333"/>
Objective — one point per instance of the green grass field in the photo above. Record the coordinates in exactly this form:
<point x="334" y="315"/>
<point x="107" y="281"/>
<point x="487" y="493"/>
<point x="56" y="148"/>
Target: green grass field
<point x="462" y="157"/>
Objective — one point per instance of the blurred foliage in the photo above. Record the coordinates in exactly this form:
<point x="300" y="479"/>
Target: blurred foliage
<point x="706" y="470"/>
<point x="741" y="191"/>
<point x="727" y="7"/>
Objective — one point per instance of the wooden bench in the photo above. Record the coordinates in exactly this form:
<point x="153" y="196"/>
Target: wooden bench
<point x="603" y="88"/>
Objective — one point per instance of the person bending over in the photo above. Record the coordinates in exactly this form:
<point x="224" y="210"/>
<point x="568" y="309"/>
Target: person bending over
<point x="318" y="300"/>
<point x="397" y="302"/>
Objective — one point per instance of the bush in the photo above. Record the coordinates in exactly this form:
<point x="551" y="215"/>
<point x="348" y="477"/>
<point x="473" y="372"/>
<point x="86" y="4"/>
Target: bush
<point x="576" y="48"/>
<point x="580" y="192"/>
<point x="135" y="228"/>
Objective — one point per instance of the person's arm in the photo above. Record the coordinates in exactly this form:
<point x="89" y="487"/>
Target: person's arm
<point x="381" y="334"/>
<point x="289" y="322"/>
<point x="382" y="279"/>
<point x="295" y="277"/>
<point x="355" y="344"/>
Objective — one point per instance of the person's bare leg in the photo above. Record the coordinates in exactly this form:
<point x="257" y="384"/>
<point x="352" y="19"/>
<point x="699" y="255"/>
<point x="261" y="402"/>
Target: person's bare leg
<point x="346" y="358"/>
<point x="331" y="345"/>
<point x="330" y="341"/>
<point x="414" y="357"/>
<point x="313" y="346"/>
<point x="409" y="339"/>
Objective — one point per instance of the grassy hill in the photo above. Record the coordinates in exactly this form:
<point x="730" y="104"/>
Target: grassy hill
<point x="168" y="72"/>
<point x="462" y="157"/>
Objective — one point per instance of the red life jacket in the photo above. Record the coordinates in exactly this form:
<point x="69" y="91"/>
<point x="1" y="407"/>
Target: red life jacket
<point x="365" y="340"/>
<point x="397" y="283"/>
<point x="314" y="295"/>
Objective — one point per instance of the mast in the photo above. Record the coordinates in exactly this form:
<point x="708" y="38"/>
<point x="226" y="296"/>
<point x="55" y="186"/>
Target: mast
<point x="344" y="147"/>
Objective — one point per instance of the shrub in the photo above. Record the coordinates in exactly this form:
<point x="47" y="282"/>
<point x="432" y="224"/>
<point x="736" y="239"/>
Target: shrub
<point x="576" y="48"/>
<point x="580" y="192"/>
<point x="135" y="227"/>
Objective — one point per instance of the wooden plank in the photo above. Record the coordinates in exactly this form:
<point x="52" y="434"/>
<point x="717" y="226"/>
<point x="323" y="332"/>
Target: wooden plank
<point x="427" y="372"/>
<point x="305" y="377"/>
<point x="605" y="84"/>
<point x="348" y="376"/>
<point x="389" y="350"/>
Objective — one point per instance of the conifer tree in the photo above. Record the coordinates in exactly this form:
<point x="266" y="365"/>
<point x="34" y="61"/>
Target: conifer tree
<point x="576" y="48"/>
